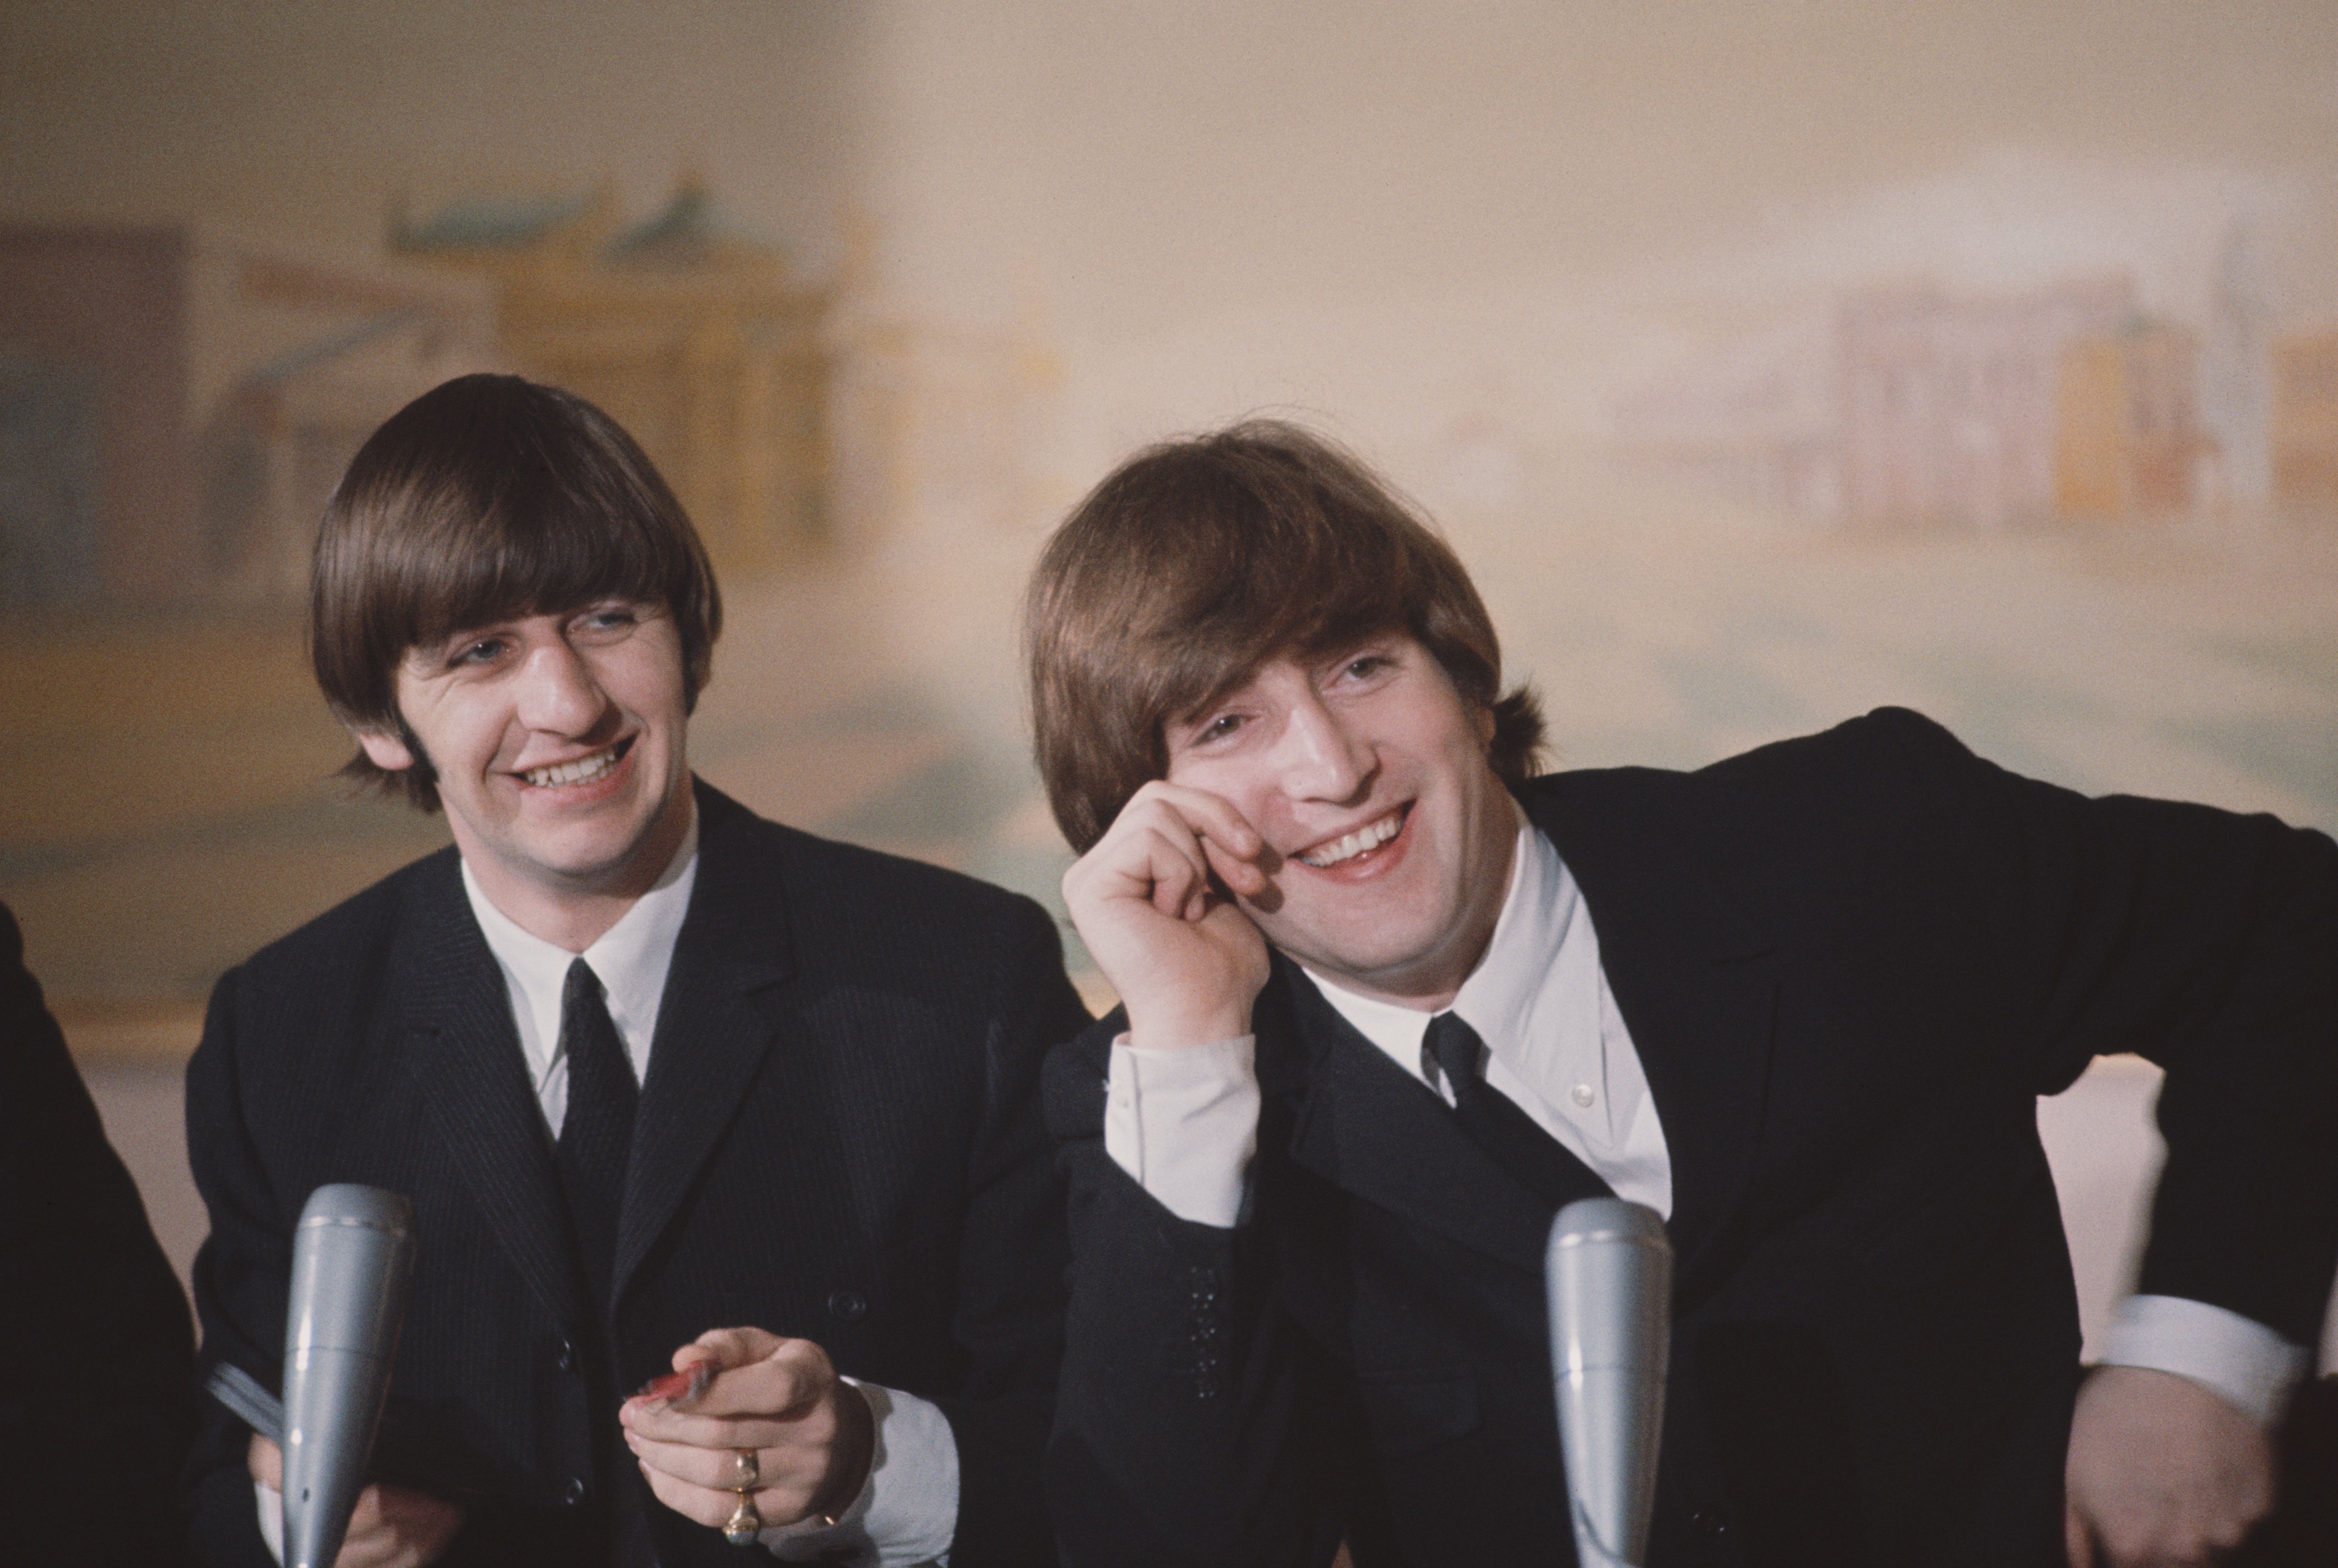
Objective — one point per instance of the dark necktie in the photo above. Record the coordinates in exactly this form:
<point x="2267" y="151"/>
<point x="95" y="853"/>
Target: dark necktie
<point x="597" y="1135"/>
<point x="1497" y="1123"/>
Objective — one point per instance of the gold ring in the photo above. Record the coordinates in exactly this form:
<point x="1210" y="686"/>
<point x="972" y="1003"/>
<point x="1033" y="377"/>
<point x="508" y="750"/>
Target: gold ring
<point x="745" y="1472"/>
<point x="744" y="1524"/>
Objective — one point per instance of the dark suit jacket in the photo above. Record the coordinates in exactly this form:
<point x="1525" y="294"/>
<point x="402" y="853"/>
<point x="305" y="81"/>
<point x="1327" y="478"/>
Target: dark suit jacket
<point x="1850" y="964"/>
<point x="96" y="1351"/>
<point x="839" y="1139"/>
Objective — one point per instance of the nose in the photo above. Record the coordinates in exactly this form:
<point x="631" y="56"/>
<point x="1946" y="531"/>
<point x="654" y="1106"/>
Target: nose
<point x="558" y="692"/>
<point x="1320" y="757"/>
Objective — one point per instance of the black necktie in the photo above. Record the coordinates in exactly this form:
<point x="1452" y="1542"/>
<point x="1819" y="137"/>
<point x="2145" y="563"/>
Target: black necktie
<point x="1498" y="1125"/>
<point x="597" y="1135"/>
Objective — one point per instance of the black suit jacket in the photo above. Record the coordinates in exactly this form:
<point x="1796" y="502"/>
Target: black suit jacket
<point x="1850" y="964"/>
<point x="839" y="1139"/>
<point x="95" y="1347"/>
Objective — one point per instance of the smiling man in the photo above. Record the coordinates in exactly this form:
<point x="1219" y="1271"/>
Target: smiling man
<point x="1389" y="1000"/>
<point x="671" y="1087"/>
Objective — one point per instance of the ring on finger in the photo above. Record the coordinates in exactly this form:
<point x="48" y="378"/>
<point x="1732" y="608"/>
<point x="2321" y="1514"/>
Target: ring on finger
<point x="744" y="1471"/>
<point x="744" y="1524"/>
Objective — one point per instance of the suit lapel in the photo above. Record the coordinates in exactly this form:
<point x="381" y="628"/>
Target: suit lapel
<point x="1692" y="976"/>
<point x="715" y="1024"/>
<point x="458" y="1023"/>
<point x="1367" y="1127"/>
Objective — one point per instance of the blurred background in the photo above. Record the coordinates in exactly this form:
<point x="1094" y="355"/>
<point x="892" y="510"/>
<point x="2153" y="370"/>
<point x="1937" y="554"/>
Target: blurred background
<point x="1765" y="362"/>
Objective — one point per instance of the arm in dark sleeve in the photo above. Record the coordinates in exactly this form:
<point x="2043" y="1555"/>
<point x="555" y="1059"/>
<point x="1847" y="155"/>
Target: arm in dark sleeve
<point x="241" y="1275"/>
<point x="97" y="1354"/>
<point x="2207" y="942"/>
<point x="1009" y="1317"/>
<point x="1184" y="1429"/>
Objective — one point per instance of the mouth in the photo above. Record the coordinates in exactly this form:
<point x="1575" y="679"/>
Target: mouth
<point x="583" y="770"/>
<point x="1352" y="846"/>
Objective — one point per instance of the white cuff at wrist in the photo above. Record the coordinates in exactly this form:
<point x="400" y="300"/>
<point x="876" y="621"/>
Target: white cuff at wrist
<point x="2238" y="1358"/>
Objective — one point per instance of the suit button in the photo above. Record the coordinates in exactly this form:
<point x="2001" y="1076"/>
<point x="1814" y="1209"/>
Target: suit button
<point x="847" y="1304"/>
<point x="568" y="1362"/>
<point x="574" y="1493"/>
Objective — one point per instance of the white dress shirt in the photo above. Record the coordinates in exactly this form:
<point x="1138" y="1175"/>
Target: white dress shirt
<point x="906" y="1513"/>
<point x="1185" y="1122"/>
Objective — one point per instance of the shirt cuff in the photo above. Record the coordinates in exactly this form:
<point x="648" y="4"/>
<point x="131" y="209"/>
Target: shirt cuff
<point x="271" y="1518"/>
<point x="2237" y="1356"/>
<point x="1184" y="1121"/>
<point x="906" y="1512"/>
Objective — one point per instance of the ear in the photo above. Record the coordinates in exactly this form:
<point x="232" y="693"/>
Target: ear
<point x="385" y="749"/>
<point x="1483" y="715"/>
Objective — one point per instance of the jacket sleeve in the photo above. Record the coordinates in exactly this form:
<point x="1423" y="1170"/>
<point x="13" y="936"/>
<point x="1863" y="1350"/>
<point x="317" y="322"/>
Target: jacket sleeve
<point x="2207" y="942"/>
<point x="1185" y="1425"/>
<point x="241" y="1275"/>
<point x="1009" y="1319"/>
<point x="96" y="1355"/>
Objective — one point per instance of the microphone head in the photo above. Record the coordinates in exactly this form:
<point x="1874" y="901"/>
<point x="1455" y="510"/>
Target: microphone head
<point x="352" y="1255"/>
<point x="1608" y="1269"/>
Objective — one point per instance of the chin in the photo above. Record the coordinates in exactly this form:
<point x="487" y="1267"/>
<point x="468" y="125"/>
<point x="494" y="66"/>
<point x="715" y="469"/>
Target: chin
<point x="1368" y="958"/>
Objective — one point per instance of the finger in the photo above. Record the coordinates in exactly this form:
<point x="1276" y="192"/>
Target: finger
<point x="698" y="1504"/>
<point x="2076" y="1543"/>
<point x="1181" y="877"/>
<point x="415" y="1528"/>
<point x="704" y="1357"/>
<point x="714" y="1469"/>
<point x="1205" y="816"/>
<point x="1247" y="877"/>
<point x="265" y="1460"/>
<point x="785" y="1382"/>
<point x="781" y="1504"/>
<point x="730" y="1347"/>
<point x="750" y="1406"/>
<point x="369" y="1541"/>
<point x="1162" y="864"/>
<point x="712" y="1433"/>
<point x="799" y="1457"/>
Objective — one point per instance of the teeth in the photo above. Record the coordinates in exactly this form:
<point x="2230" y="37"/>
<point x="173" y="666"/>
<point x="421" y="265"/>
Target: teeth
<point x="576" y="772"/>
<point x="1370" y="837"/>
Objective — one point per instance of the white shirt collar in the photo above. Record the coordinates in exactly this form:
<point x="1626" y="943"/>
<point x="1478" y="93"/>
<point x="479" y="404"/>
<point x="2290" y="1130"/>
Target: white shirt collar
<point x="630" y="959"/>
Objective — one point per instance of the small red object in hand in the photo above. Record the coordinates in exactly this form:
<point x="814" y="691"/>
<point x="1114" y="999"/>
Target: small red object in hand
<point x="678" y="1388"/>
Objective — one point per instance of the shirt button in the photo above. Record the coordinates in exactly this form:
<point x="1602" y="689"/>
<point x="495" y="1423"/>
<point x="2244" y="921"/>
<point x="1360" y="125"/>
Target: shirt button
<point x="574" y="1493"/>
<point x="1584" y="1096"/>
<point x="847" y="1304"/>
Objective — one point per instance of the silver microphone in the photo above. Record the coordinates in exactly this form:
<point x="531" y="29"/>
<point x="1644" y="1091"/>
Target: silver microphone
<point x="1609" y="1269"/>
<point x="352" y="1254"/>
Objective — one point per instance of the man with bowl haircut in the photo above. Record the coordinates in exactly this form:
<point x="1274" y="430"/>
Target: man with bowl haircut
<point x="1390" y="1002"/>
<point x="671" y="1087"/>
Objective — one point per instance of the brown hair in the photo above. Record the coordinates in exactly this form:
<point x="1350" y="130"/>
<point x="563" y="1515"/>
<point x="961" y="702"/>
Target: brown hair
<point x="1200" y="559"/>
<point x="488" y="497"/>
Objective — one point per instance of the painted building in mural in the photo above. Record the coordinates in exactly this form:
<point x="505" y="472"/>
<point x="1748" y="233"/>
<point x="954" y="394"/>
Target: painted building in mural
<point x="2129" y="441"/>
<point x="686" y="329"/>
<point x="1760" y="422"/>
<point x="1912" y="406"/>
<point x="2306" y="423"/>
<point x="1947" y="406"/>
<point x="176" y="403"/>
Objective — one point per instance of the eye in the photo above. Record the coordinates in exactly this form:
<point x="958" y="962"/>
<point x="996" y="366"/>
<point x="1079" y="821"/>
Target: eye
<point x="475" y="650"/>
<point x="1217" y="728"/>
<point x="606" y="619"/>
<point x="1366" y="667"/>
